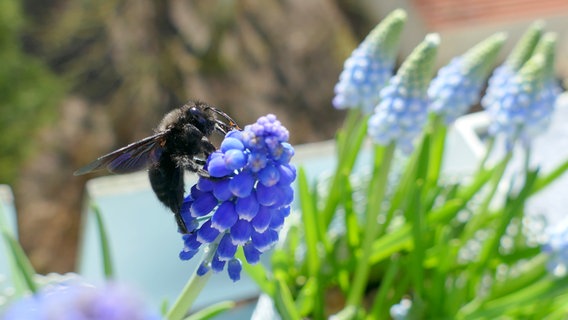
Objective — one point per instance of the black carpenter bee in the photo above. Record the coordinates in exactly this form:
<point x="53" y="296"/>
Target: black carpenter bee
<point x="180" y="143"/>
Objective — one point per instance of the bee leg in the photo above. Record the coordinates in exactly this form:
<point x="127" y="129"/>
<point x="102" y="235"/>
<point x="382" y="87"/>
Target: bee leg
<point x="166" y="179"/>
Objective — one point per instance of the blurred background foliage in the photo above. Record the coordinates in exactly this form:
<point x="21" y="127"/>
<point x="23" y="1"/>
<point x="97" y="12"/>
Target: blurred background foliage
<point x="29" y="92"/>
<point x="79" y="78"/>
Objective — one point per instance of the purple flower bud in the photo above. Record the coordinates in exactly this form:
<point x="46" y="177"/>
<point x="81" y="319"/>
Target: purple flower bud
<point x="217" y="265"/>
<point x="247" y="207"/>
<point x="286" y="153"/>
<point x="269" y="176"/>
<point x="241" y="185"/>
<point x="203" y="269"/>
<point x="205" y="184"/>
<point x="251" y="254"/>
<point x="226" y="249"/>
<point x="277" y="220"/>
<point x="261" y="221"/>
<point x="235" y="134"/>
<point x="240" y="232"/>
<point x="261" y="241"/>
<point x="217" y="167"/>
<point x="235" y="159"/>
<point x="187" y="254"/>
<point x="287" y="174"/>
<point x="190" y="241"/>
<point x="257" y="161"/>
<point x="225" y="216"/>
<point x="267" y="196"/>
<point x="195" y="192"/>
<point x="203" y="205"/>
<point x="206" y="233"/>
<point x="222" y="191"/>
<point x="231" y="144"/>
<point x="234" y="269"/>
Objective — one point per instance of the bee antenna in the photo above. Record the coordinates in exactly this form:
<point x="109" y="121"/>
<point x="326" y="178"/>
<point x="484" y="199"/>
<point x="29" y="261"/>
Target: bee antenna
<point x="223" y="126"/>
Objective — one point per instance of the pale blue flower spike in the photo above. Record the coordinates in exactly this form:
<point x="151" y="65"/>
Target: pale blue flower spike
<point x="370" y="65"/>
<point x="458" y="85"/>
<point x="402" y="112"/>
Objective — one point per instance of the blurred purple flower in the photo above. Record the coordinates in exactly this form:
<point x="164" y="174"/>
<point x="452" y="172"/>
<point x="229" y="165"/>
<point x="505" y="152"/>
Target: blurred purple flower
<point x="80" y="301"/>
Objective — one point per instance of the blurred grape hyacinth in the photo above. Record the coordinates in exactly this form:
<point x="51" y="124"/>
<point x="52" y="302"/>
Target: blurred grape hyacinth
<point x="458" y="85"/>
<point x="370" y="66"/>
<point x="505" y="72"/>
<point x="400" y="311"/>
<point x="78" y="300"/>
<point x="557" y="249"/>
<point x="246" y="199"/>
<point x="525" y="107"/>
<point x="403" y="110"/>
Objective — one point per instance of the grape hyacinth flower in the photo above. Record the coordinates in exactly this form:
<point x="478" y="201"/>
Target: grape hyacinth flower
<point x="78" y="300"/>
<point x="403" y="110"/>
<point x="245" y="201"/>
<point x="518" y="56"/>
<point x="458" y="85"/>
<point x="370" y="66"/>
<point x="556" y="247"/>
<point x="400" y="311"/>
<point x="525" y="107"/>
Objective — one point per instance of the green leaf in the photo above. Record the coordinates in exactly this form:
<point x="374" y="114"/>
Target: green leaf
<point x="105" y="248"/>
<point x="547" y="179"/>
<point x="375" y="196"/>
<point x="284" y="302"/>
<point x="348" y="145"/>
<point x="257" y="273"/>
<point x="25" y="271"/>
<point x="212" y="311"/>
<point x="543" y="290"/>
<point x="310" y="224"/>
<point x="305" y="302"/>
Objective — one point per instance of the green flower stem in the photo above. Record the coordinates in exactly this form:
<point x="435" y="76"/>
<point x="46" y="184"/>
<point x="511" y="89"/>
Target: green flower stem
<point x="349" y="143"/>
<point x="380" y="305"/>
<point x="476" y="221"/>
<point x="188" y="294"/>
<point x="489" y="148"/>
<point x="418" y="222"/>
<point x="375" y="197"/>
<point x="438" y="133"/>
<point x="212" y="311"/>
<point x="491" y="246"/>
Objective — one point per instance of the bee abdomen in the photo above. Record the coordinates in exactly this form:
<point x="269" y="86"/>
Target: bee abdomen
<point x="167" y="182"/>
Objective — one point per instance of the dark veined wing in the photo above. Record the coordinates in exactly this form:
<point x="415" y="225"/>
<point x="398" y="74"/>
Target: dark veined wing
<point x="134" y="157"/>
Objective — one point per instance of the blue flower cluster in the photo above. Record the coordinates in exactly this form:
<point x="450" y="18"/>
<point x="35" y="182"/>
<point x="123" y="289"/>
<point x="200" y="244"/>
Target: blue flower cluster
<point x="403" y="110"/>
<point x="518" y="56"/>
<point x="557" y="249"/>
<point x="246" y="199"/>
<point x="521" y="107"/>
<point x="458" y="85"/>
<point x="81" y="301"/>
<point x="370" y="66"/>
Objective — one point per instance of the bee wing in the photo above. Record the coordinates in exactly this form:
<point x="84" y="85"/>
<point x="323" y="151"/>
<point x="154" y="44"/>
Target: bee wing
<point x="134" y="157"/>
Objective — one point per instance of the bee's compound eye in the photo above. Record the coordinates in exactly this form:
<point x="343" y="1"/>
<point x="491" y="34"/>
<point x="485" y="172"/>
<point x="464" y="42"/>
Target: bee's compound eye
<point x="198" y="115"/>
